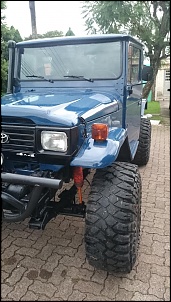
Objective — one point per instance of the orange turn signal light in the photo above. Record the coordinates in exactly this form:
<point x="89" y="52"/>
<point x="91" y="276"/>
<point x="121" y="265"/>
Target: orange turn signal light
<point x="99" y="132"/>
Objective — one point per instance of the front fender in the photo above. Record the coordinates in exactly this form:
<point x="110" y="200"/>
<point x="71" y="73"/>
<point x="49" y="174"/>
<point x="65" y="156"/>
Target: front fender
<point x="100" y="154"/>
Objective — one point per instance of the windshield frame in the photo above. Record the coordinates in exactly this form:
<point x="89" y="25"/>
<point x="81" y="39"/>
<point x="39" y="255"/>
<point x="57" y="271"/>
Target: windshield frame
<point x="64" y="79"/>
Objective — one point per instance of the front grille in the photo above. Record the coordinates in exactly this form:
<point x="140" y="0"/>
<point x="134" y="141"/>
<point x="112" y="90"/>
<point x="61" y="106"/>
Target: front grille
<point x="21" y="139"/>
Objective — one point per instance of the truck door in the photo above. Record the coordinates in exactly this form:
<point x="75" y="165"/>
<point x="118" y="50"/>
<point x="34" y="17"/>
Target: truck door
<point x="134" y="94"/>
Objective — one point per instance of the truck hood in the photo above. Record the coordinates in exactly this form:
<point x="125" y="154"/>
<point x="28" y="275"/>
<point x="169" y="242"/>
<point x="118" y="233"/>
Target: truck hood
<point x="60" y="108"/>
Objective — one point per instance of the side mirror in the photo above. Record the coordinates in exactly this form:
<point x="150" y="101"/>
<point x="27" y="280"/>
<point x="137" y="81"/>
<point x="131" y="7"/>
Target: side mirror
<point x="147" y="73"/>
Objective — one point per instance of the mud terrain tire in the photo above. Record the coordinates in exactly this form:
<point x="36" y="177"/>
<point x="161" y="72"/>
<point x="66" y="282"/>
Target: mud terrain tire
<point x="143" y="152"/>
<point x="113" y="218"/>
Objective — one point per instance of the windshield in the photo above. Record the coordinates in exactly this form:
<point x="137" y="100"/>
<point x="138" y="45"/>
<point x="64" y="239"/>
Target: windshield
<point x="72" y="62"/>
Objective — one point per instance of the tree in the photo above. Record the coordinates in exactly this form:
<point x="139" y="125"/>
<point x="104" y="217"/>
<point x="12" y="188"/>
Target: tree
<point x="3" y="6"/>
<point x="70" y="32"/>
<point x="149" y="21"/>
<point x="6" y="35"/>
<point x="48" y="34"/>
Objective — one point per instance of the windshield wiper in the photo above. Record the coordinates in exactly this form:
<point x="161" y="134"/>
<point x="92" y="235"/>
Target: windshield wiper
<point x="79" y="77"/>
<point x="39" y="77"/>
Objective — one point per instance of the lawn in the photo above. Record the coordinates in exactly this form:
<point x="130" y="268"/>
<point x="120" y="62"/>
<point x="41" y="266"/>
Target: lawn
<point x="153" y="108"/>
<point x="155" y="117"/>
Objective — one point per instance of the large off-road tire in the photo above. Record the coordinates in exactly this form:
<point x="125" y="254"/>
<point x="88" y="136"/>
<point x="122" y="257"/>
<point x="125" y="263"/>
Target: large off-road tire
<point x="143" y="152"/>
<point x="113" y="218"/>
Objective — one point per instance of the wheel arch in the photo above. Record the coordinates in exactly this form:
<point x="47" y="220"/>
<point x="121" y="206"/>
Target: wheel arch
<point x="101" y="154"/>
<point x="124" y="152"/>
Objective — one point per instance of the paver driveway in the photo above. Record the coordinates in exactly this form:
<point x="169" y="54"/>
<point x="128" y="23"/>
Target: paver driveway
<point x="50" y="265"/>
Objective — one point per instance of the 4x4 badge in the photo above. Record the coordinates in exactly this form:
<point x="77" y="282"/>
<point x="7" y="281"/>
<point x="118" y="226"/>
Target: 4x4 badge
<point x="4" y="138"/>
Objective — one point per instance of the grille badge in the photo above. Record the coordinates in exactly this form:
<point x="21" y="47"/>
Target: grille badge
<point x="4" y="138"/>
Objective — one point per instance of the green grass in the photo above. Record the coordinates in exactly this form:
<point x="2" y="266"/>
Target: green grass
<point x="155" y="117"/>
<point x="154" y="110"/>
<point x="153" y="107"/>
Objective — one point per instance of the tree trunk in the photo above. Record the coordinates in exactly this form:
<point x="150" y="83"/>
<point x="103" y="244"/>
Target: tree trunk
<point x="154" y="63"/>
<point x="33" y="19"/>
<point x="153" y="91"/>
<point x="146" y="89"/>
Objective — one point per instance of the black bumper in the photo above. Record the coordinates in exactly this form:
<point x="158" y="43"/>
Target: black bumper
<point x="31" y="180"/>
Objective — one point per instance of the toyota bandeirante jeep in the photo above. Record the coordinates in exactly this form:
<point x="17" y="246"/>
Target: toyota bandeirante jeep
<point x="73" y="104"/>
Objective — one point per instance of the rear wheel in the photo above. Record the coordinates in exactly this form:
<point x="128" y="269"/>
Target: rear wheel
<point x="143" y="152"/>
<point x="113" y="218"/>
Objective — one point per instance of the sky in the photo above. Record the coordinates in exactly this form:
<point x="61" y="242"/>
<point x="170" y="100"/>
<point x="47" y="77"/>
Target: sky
<point x="50" y="15"/>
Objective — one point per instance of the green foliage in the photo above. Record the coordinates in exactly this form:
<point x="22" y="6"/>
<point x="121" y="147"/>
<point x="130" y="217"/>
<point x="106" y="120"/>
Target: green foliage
<point x="3" y="6"/>
<point x="49" y="34"/>
<point x="153" y="108"/>
<point x="148" y="21"/>
<point x="70" y="32"/>
<point x="6" y="35"/>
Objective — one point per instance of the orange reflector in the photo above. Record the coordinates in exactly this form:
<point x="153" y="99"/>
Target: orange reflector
<point x="80" y="195"/>
<point x="99" y="132"/>
<point x="78" y="176"/>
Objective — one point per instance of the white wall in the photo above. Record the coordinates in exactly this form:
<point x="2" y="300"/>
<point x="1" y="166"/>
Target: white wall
<point x="160" y="89"/>
<point x="159" y="84"/>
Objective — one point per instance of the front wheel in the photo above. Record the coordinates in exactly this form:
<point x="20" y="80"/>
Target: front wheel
<point x="113" y="217"/>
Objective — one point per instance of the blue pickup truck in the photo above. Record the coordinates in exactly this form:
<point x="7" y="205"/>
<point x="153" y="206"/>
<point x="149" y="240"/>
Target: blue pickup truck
<point x="73" y="104"/>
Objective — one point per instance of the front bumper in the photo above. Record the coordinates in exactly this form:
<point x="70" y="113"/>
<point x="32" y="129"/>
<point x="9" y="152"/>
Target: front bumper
<point x="31" y="180"/>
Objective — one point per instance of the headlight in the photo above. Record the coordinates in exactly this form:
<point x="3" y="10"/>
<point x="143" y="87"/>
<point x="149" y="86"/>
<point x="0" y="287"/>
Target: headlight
<point x="54" y="141"/>
<point x="2" y="158"/>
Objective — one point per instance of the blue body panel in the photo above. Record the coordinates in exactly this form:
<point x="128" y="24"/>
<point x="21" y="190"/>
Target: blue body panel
<point x="63" y="108"/>
<point x="60" y="108"/>
<point x="99" y="155"/>
<point x="68" y="103"/>
<point x="76" y="39"/>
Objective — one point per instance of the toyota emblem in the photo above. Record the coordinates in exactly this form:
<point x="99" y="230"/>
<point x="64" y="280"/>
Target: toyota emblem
<point x="4" y="138"/>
